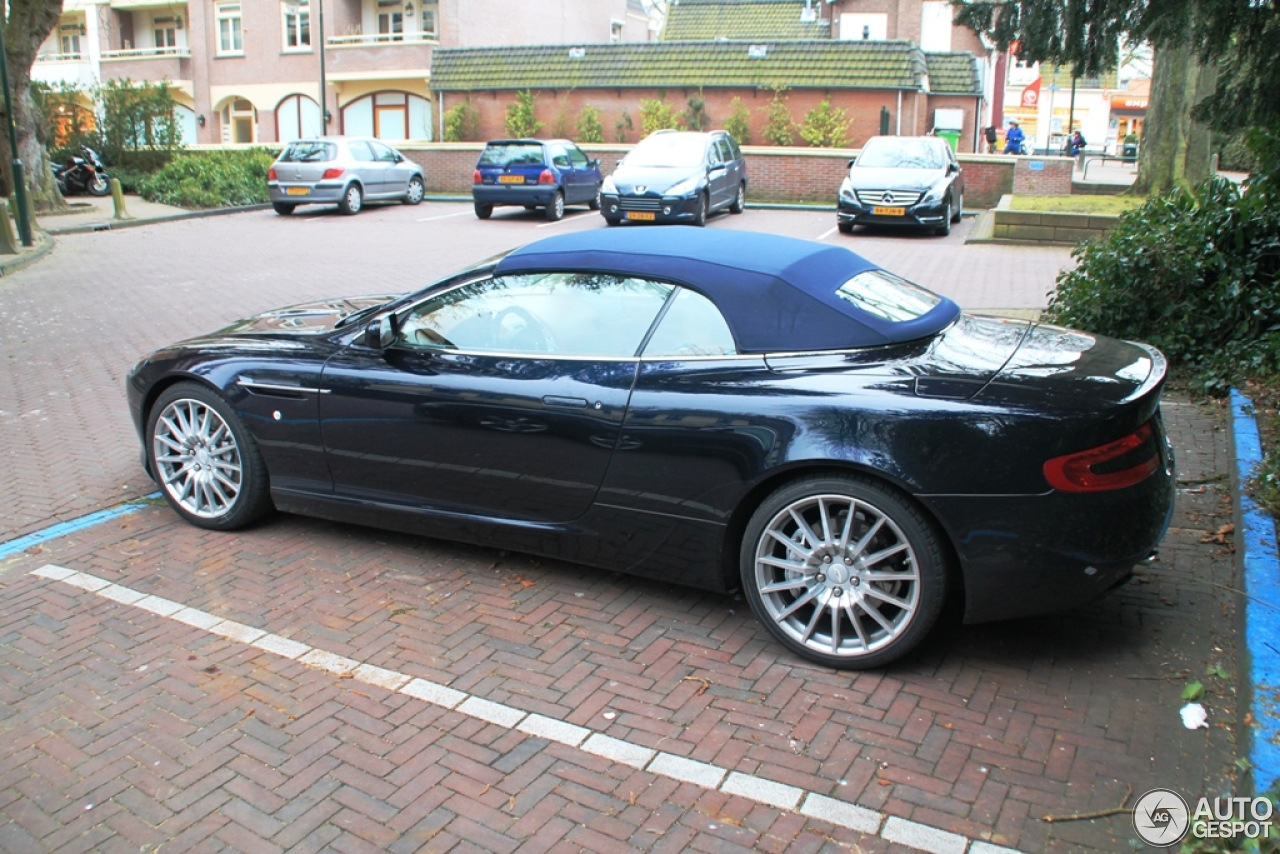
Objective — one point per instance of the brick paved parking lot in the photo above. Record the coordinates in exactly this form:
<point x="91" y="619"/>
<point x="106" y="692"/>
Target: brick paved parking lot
<point x="134" y="725"/>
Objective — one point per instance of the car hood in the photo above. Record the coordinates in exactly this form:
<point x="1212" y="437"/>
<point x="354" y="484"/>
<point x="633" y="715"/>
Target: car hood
<point x="894" y="179"/>
<point x="308" y="318"/>
<point x="654" y="179"/>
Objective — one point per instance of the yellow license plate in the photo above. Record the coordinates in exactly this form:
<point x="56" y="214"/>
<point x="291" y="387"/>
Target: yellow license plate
<point x="510" y="179"/>
<point x="642" y="215"/>
<point x="297" y="191"/>
<point x="889" y="211"/>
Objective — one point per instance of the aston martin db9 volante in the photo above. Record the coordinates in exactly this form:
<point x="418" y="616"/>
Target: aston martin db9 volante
<point x="735" y="409"/>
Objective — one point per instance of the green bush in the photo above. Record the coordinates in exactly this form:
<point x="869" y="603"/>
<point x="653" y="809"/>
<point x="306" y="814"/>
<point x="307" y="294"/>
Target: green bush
<point x="779" y="128"/>
<point x="657" y="115"/>
<point x="739" y="122"/>
<point x="623" y="126"/>
<point x="1196" y="273"/>
<point x="589" y="127"/>
<point x="212" y="179"/>
<point x="521" y="121"/>
<point x="825" y="126"/>
<point x="695" y="115"/>
<point x="461" y="122"/>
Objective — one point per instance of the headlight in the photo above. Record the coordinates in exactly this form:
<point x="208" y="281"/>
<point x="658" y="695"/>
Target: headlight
<point x="609" y="187"/>
<point x="936" y="192"/>
<point x="684" y="188"/>
<point x="846" y="189"/>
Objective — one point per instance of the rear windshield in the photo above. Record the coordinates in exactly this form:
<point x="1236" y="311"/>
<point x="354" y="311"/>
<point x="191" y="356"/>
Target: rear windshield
<point x="885" y="153"/>
<point x="310" y="152"/>
<point x="511" y="154"/>
<point x="884" y="295"/>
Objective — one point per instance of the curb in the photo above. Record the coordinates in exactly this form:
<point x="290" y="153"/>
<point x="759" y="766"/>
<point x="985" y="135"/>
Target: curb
<point x="1256" y="545"/>
<point x="112" y="225"/>
<point x="13" y="263"/>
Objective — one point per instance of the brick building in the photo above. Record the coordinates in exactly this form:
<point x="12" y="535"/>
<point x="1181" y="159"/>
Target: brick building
<point x="250" y="70"/>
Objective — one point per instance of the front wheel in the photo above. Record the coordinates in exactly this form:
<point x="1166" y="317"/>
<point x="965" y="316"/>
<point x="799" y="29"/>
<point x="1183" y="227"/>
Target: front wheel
<point x="352" y="200"/>
<point x="944" y="229"/>
<point x="613" y="220"/>
<point x="99" y="185"/>
<point x="739" y="200"/>
<point x="959" y="211"/>
<point x="700" y="217"/>
<point x="555" y="208"/>
<point x="207" y="464"/>
<point x="845" y="226"/>
<point x="844" y="571"/>
<point x="416" y="191"/>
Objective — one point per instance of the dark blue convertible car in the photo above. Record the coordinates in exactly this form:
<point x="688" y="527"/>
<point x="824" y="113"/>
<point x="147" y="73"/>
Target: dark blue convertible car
<point x="736" y="409"/>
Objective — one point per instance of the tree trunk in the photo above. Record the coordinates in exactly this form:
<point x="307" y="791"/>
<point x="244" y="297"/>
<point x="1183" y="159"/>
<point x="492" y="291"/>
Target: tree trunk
<point x="1175" y="150"/>
<point x="29" y="24"/>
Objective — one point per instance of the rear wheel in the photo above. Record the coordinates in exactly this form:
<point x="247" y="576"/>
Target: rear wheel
<point x="595" y="200"/>
<point x="207" y="463"/>
<point x="739" y="200"/>
<point x="555" y="207"/>
<point x="843" y="570"/>
<point x="483" y="211"/>
<point x="283" y="208"/>
<point x="415" y="192"/>
<point x="352" y="200"/>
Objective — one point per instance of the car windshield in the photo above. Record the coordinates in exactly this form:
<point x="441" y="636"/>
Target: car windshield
<point x="900" y="154"/>
<point x="309" y="152"/>
<point x="511" y="154"/>
<point x="669" y="149"/>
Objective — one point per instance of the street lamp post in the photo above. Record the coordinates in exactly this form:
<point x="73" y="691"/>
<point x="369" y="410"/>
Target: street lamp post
<point x="19" y="181"/>
<point x="324" y="106"/>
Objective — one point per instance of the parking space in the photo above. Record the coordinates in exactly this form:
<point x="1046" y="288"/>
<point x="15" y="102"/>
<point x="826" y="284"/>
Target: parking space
<point x="593" y="711"/>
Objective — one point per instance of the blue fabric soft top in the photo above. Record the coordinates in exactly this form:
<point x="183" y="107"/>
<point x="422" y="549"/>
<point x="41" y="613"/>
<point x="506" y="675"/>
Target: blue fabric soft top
<point x="777" y="294"/>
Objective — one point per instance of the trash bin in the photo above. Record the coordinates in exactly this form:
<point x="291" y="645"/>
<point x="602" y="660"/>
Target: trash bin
<point x="951" y="136"/>
<point x="1130" y="151"/>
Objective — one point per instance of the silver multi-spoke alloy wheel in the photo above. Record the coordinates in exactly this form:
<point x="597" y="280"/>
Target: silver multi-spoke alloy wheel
<point x="837" y="575"/>
<point x="197" y="458"/>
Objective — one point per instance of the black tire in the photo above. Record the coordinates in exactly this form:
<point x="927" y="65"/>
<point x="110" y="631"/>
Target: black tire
<point x="915" y="577"/>
<point x="417" y="189"/>
<point x="352" y="200"/>
<point x="483" y="211"/>
<point x="218" y="455"/>
<point x="944" y="229"/>
<point x="700" y="218"/>
<point x="555" y="207"/>
<point x="283" y="208"/>
<point x="959" y="211"/>
<point x="99" y="185"/>
<point x="612" y="220"/>
<point x="846" y="227"/>
<point x="594" y="204"/>
<point x="739" y="200"/>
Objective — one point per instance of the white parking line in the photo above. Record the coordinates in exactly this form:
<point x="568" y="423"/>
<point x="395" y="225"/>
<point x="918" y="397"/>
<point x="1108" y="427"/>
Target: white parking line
<point x="826" y="234"/>
<point x="708" y="776"/>
<point x="446" y="216"/>
<point x="582" y="216"/>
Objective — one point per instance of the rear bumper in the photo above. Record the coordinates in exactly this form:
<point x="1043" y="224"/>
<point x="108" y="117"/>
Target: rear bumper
<point x="922" y="215"/>
<point x="663" y="208"/>
<point x="315" y="193"/>
<point x="513" y="194"/>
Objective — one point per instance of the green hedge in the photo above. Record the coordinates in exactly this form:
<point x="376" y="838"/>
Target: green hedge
<point x="210" y="179"/>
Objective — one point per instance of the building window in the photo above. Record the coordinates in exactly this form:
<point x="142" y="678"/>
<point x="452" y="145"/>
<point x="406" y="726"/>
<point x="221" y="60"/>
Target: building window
<point x="239" y="122"/>
<point x="230" y="29"/>
<point x="164" y="32"/>
<point x="429" y="22"/>
<point x="615" y="31"/>
<point x="390" y="21"/>
<point x="297" y="24"/>
<point x="69" y="45"/>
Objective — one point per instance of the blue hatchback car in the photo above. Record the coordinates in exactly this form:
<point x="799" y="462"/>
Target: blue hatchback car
<point x="535" y="173"/>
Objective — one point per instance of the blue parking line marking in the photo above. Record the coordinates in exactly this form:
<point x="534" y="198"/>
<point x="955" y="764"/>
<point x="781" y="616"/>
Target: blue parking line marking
<point x="1262" y="619"/>
<point x="61" y="529"/>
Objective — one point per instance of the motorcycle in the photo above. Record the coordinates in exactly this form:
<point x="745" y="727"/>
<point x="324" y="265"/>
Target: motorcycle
<point x="83" y="174"/>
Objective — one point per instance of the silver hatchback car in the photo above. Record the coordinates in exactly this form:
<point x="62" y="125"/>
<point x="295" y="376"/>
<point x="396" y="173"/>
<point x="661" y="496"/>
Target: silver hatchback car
<point x="345" y="170"/>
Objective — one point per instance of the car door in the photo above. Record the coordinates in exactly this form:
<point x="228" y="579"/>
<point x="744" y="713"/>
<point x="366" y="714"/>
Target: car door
<point x="735" y="172"/>
<point x="563" y="168"/>
<point x="367" y="168"/>
<point x="501" y="397"/>
<point x="716" y="174"/>
<point x="585" y="176"/>
<point x="394" y="181"/>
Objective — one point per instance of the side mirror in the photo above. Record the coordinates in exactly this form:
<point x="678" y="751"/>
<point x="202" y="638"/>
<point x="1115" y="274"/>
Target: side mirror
<point x="399" y="158"/>
<point x="851" y="162"/>
<point x="594" y="163"/>
<point x="380" y="334"/>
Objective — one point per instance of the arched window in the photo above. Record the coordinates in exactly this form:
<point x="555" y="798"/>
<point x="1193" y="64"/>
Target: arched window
<point x="391" y="116"/>
<point x="239" y="121"/>
<point x="298" y="117"/>
<point x="186" y="118"/>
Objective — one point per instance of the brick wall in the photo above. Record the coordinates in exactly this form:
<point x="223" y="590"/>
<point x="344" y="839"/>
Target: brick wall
<point x="1042" y="176"/>
<point x="773" y="174"/>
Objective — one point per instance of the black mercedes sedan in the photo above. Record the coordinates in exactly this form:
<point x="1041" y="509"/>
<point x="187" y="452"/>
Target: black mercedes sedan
<point x="676" y="177"/>
<point x="902" y="180"/>
<point x="734" y="410"/>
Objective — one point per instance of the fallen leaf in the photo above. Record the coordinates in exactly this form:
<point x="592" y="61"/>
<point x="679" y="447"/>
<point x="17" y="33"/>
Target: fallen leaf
<point x="1193" y="691"/>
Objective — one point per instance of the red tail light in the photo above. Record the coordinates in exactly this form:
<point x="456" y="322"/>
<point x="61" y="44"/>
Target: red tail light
<point x="271" y="174"/>
<point x="1114" y="465"/>
<point x="331" y="173"/>
<point x="547" y="177"/>
<point x="476" y="177"/>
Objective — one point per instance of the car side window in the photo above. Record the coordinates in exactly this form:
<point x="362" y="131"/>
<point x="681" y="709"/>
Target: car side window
<point x="360" y="151"/>
<point x="692" y="326"/>
<point x="538" y="314"/>
<point x="382" y="153"/>
<point x="713" y="154"/>
<point x="726" y="153"/>
<point x="578" y="159"/>
<point x="559" y="158"/>
<point x="733" y="147"/>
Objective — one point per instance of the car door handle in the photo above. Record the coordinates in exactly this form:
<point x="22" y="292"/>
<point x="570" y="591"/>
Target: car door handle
<point x="570" y="402"/>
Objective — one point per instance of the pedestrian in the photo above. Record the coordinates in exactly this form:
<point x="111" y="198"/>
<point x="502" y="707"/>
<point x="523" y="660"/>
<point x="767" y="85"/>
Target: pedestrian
<point x="992" y="136"/>
<point x="1013" y="139"/>
<point x="1077" y="143"/>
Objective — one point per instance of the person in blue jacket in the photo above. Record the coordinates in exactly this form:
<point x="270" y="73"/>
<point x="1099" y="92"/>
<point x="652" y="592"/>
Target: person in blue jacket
<point x="1013" y="139"/>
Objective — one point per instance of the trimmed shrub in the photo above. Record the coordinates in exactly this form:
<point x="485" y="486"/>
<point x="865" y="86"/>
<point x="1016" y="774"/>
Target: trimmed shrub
<point x="779" y="128"/>
<point x="623" y="126"/>
<point x="461" y="123"/>
<point x="521" y="121"/>
<point x="589" y="127"/>
<point x="825" y="126"/>
<point x="739" y="122"/>
<point x="657" y="115"/>
<point x="211" y="179"/>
